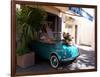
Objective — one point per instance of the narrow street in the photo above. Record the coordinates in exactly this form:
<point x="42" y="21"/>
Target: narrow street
<point x="84" y="61"/>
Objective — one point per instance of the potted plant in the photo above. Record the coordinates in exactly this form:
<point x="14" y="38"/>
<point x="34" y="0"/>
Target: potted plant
<point x="25" y="58"/>
<point x="29" y="21"/>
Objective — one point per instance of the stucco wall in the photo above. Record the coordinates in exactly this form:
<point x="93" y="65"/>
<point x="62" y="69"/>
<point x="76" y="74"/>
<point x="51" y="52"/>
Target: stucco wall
<point x="86" y="33"/>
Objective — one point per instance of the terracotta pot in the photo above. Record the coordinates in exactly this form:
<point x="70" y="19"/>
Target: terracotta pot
<point x="26" y="60"/>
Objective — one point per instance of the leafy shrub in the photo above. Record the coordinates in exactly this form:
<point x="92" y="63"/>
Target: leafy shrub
<point x="28" y="23"/>
<point x="21" y="51"/>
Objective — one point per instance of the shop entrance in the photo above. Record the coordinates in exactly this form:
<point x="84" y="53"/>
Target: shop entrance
<point x="54" y="22"/>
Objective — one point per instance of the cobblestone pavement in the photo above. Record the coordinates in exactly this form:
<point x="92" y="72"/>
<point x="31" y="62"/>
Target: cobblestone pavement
<point x="86" y="60"/>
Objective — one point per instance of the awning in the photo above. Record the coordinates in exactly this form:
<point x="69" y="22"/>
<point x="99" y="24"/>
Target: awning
<point x="81" y="13"/>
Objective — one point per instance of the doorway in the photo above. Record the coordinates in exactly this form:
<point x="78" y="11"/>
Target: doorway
<point x="54" y="22"/>
<point x="75" y="34"/>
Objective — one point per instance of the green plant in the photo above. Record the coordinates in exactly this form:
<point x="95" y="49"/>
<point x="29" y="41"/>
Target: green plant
<point x="21" y="51"/>
<point x="29" y="21"/>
